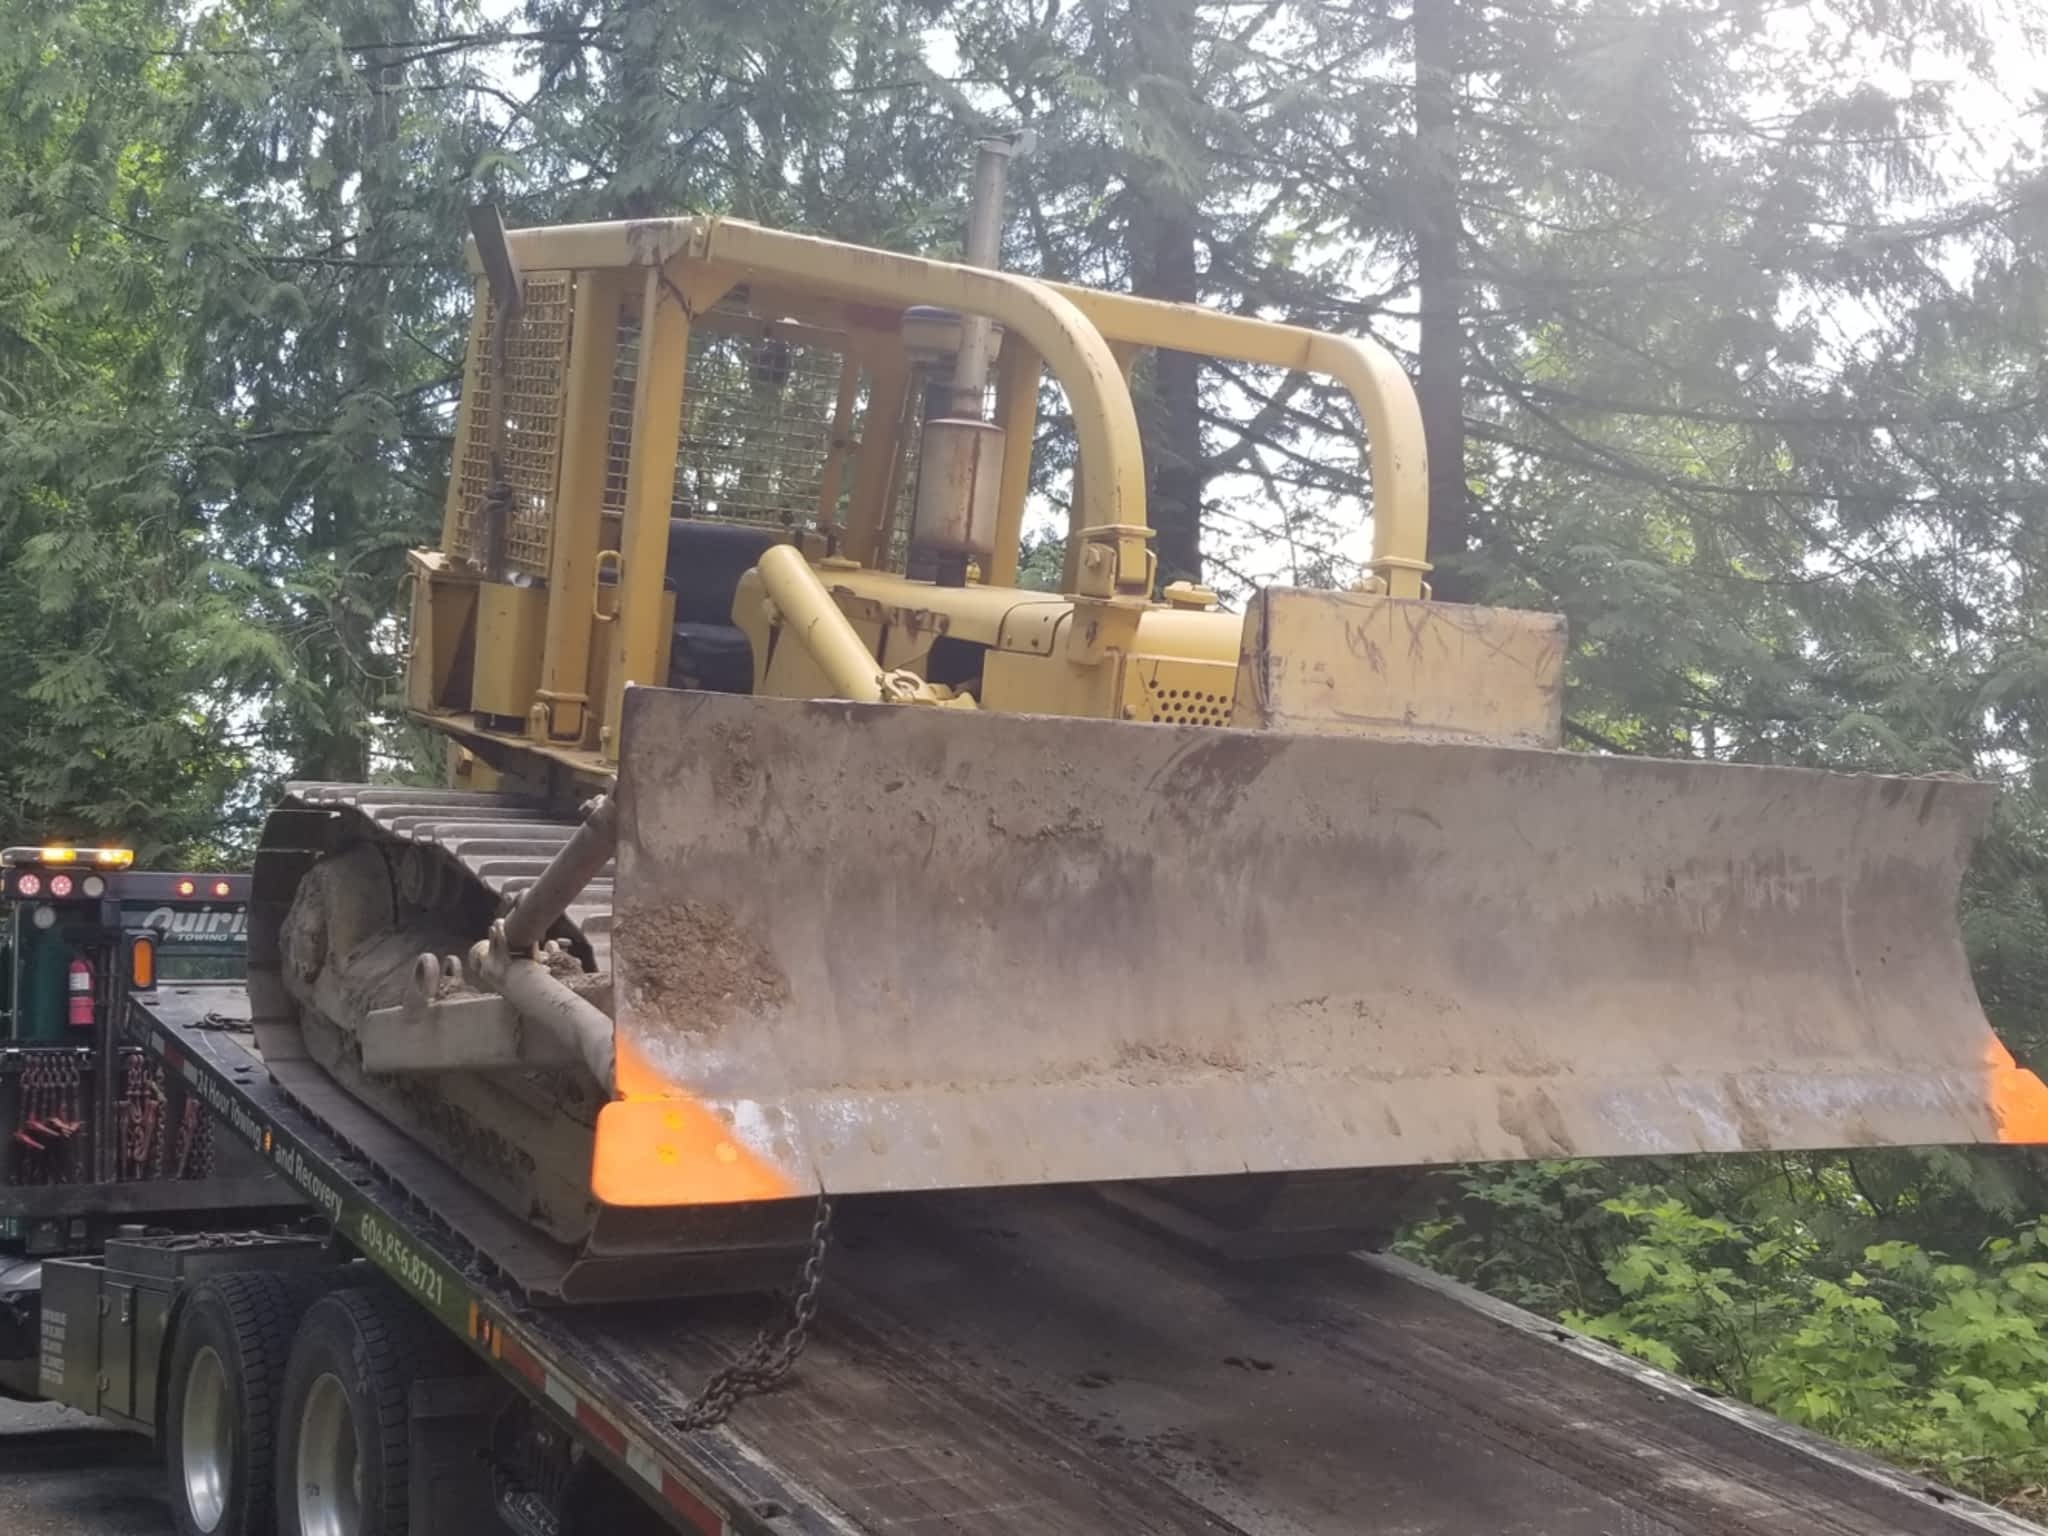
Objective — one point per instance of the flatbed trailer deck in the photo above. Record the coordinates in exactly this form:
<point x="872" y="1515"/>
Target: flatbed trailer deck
<point x="1038" y="1363"/>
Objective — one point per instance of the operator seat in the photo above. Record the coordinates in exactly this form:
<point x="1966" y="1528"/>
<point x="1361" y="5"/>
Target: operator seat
<point x="705" y="564"/>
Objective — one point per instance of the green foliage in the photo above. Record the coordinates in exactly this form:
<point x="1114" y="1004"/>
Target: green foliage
<point x="124" y="663"/>
<point x="1770" y="1280"/>
<point x="1040" y="563"/>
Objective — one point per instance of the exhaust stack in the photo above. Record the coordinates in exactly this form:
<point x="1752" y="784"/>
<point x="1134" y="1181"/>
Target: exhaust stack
<point x="960" y="464"/>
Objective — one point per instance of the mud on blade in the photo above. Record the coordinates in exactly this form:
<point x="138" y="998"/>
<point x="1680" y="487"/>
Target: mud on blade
<point x="894" y="948"/>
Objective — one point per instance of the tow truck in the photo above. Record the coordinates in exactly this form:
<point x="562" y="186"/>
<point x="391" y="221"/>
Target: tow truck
<point x="312" y="1335"/>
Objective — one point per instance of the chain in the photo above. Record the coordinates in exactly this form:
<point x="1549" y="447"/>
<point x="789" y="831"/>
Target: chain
<point x="47" y="1117"/>
<point x="188" y="1131"/>
<point x="157" y="1102"/>
<point x="70" y="1115"/>
<point x="142" y="1121"/>
<point x="143" y="1118"/>
<point x="136" y="1122"/>
<point x="30" y="1134"/>
<point x="774" y="1350"/>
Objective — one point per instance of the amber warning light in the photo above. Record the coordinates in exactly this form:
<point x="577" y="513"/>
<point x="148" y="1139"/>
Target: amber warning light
<point x="142" y="962"/>
<point x="106" y="858"/>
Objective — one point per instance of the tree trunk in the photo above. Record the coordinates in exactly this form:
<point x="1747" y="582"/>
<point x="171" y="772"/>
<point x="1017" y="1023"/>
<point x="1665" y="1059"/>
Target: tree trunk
<point x="1440" y="387"/>
<point x="1171" y="422"/>
<point x="338" y="746"/>
<point x="1165" y="222"/>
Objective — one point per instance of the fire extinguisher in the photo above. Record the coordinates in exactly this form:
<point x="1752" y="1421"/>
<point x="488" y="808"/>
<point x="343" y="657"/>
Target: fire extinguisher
<point x="80" y="979"/>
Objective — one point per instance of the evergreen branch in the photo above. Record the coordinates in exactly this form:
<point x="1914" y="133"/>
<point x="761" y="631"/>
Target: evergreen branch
<point x="1580" y="731"/>
<point x="440" y="43"/>
<point x="1597" y="456"/>
<point x="2023" y="409"/>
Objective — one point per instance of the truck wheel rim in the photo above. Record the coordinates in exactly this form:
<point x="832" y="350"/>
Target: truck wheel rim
<point x="330" y="1475"/>
<point x="206" y="1438"/>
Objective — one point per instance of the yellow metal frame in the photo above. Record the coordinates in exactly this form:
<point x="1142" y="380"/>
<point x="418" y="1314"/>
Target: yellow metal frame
<point x="668" y="276"/>
<point x="579" y="507"/>
<point x="1393" y="419"/>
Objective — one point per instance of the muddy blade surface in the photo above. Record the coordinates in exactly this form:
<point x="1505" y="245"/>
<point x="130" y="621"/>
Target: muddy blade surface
<point x="894" y="948"/>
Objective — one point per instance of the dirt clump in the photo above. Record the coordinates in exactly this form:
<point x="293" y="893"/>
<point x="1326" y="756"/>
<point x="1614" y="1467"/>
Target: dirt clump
<point x="563" y="965"/>
<point x="695" y="967"/>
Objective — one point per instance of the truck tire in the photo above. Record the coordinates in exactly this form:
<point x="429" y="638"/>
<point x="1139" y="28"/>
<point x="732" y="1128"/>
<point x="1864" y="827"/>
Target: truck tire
<point x="344" y="1450"/>
<point x="221" y="1396"/>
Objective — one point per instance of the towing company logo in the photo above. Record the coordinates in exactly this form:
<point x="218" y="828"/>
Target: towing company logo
<point x="190" y="925"/>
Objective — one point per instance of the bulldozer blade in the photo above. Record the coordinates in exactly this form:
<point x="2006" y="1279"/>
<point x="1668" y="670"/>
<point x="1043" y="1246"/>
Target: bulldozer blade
<point x="877" y="947"/>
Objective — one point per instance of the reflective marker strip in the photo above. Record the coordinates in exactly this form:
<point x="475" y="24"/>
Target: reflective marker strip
<point x="513" y="1353"/>
<point x="692" y="1508"/>
<point x="563" y="1396"/>
<point x="604" y="1429"/>
<point x="678" y="1495"/>
<point x="642" y="1461"/>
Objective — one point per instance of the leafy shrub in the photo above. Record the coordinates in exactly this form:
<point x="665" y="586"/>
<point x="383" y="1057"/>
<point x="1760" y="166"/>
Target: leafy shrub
<point x="1939" y="1364"/>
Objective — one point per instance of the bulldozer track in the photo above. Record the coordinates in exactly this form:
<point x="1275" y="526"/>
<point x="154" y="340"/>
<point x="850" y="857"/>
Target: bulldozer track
<point x="443" y="849"/>
<point x="470" y="1223"/>
<point x="499" y="842"/>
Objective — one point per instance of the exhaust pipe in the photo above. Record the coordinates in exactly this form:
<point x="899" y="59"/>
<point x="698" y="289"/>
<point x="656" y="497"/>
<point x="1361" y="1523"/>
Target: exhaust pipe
<point x="960" y="461"/>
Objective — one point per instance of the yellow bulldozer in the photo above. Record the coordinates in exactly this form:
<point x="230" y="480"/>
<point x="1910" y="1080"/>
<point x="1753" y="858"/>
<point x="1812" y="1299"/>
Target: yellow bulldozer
<point x="790" y="848"/>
